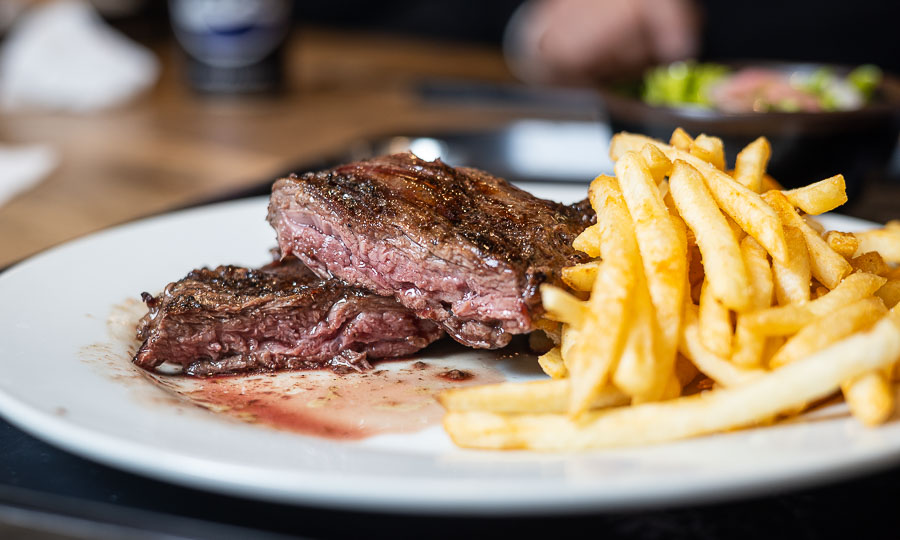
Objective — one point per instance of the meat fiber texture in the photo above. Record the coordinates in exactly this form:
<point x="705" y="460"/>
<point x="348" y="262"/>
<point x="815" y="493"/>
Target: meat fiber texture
<point x="454" y="245"/>
<point x="231" y="319"/>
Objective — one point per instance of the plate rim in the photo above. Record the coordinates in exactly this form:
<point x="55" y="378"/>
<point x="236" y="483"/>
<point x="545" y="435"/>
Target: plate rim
<point x="107" y="449"/>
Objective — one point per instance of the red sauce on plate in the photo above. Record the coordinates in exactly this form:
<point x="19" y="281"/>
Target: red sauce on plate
<point x="397" y="396"/>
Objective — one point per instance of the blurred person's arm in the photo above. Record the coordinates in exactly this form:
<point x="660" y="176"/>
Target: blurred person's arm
<point x="574" y="41"/>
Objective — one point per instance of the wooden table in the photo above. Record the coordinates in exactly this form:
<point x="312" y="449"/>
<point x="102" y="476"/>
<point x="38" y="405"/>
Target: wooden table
<point x="173" y="146"/>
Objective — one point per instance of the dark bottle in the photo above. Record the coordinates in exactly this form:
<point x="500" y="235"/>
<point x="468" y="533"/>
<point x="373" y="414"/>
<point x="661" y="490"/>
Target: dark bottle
<point x="232" y="46"/>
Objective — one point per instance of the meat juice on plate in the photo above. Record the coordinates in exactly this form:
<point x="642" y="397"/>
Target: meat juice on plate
<point x="396" y="396"/>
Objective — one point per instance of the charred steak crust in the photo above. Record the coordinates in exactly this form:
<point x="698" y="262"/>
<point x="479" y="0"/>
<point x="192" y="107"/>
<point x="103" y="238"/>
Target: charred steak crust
<point x="456" y="245"/>
<point x="282" y="316"/>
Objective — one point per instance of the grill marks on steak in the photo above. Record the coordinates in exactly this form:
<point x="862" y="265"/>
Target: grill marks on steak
<point x="282" y="316"/>
<point x="455" y="245"/>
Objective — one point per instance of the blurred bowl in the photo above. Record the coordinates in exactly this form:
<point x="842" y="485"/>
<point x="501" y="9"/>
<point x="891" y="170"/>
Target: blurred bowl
<point x="806" y="146"/>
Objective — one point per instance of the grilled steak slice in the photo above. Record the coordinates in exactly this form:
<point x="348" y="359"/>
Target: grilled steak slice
<point x="282" y="316"/>
<point x="455" y="245"/>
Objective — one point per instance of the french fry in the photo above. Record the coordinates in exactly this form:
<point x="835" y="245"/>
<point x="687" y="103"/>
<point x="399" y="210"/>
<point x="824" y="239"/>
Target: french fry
<point x="659" y="165"/>
<point x="581" y="276"/>
<point x="750" y="165"/>
<point x="820" y="197"/>
<point x="748" y="343"/>
<point x="885" y="241"/>
<point x="745" y="206"/>
<point x="760" y="273"/>
<point x="552" y="364"/>
<point x="638" y="372"/>
<point x="544" y="396"/>
<point x="568" y="338"/>
<point x="869" y="397"/>
<point x="793" y="278"/>
<point x="588" y="241"/>
<point x="845" y="244"/>
<point x="681" y="140"/>
<point x="551" y="329"/>
<point x="890" y="293"/>
<point x="714" y="324"/>
<point x="722" y="259"/>
<point x="709" y="149"/>
<point x="826" y="265"/>
<point x="828" y="329"/>
<point x="789" y="319"/>
<point x="663" y="251"/>
<point x="713" y="366"/>
<point x="563" y="307"/>
<point x="870" y="262"/>
<point x="592" y="360"/>
<point x="787" y="388"/>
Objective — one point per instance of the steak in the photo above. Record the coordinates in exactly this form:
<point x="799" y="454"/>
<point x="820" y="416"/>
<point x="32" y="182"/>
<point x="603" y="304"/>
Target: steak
<point x="282" y="316"/>
<point x="455" y="245"/>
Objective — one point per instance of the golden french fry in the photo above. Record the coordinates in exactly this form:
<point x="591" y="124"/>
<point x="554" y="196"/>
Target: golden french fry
<point x="844" y="243"/>
<point x="828" y="329"/>
<point x="637" y="372"/>
<point x="552" y="364"/>
<point x="659" y="165"/>
<point x="749" y="345"/>
<point x="568" y="338"/>
<point x="715" y="324"/>
<point x="890" y="293"/>
<point x="869" y="397"/>
<point x="722" y="261"/>
<point x="562" y="306"/>
<point x="870" y="262"/>
<point x="713" y="366"/>
<point x="826" y="265"/>
<point x="588" y="241"/>
<point x="787" y="388"/>
<point x="788" y="319"/>
<point x="750" y="165"/>
<point x="820" y="197"/>
<point x="744" y="206"/>
<point x="885" y="241"/>
<point x="663" y="252"/>
<point x="551" y="329"/>
<point x="581" y="276"/>
<point x="544" y="396"/>
<point x="681" y="140"/>
<point x="709" y="149"/>
<point x="760" y="272"/>
<point x="591" y="360"/>
<point x="792" y="279"/>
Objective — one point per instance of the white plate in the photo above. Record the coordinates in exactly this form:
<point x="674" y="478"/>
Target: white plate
<point x="54" y="309"/>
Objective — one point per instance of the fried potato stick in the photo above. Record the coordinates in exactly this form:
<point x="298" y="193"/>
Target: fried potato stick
<point x="791" y="386"/>
<point x="743" y="205"/>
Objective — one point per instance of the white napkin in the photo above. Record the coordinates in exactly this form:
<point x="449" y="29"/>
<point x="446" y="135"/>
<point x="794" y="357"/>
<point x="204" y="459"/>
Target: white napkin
<point x="24" y="166"/>
<point x="62" y="56"/>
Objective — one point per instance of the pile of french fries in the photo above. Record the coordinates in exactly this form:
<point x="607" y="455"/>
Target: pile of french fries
<point x="714" y="301"/>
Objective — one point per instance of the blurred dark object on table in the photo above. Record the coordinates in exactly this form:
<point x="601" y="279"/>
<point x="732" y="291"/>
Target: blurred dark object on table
<point x="232" y="47"/>
<point x="806" y="146"/>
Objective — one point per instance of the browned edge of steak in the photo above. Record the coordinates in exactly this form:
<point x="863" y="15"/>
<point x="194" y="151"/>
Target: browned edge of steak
<point x="455" y="245"/>
<point x="231" y="319"/>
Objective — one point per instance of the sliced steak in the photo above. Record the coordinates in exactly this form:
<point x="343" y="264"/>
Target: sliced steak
<point x="455" y="245"/>
<point x="282" y="316"/>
